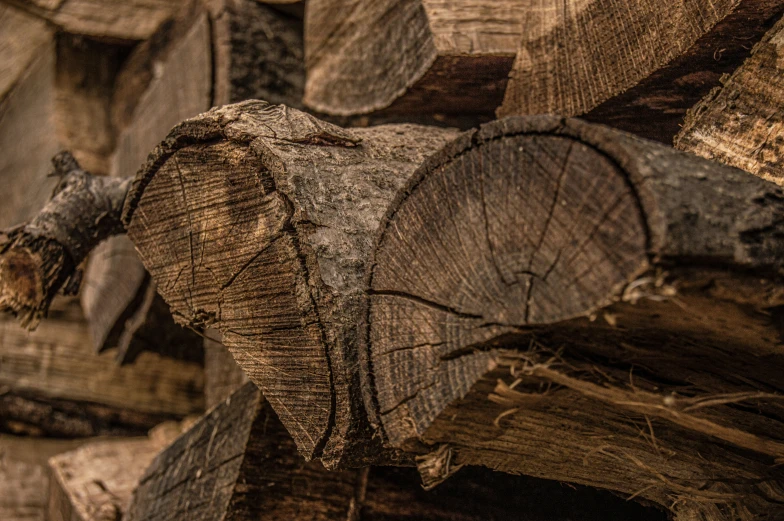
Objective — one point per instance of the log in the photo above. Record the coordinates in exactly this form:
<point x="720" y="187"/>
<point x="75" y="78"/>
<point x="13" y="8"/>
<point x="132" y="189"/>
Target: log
<point x="257" y="235"/>
<point x="105" y="19"/>
<point x="515" y="236"/>
<point x="239" y="463"/>
<point x="568" y="58"/>
<point x="27" y="101"/>
<point x="23" y="475"/>
<point x="95" y="481"/>
<point x="607" y="289"/>
<point x="740" y="123"/>
<point x="53" y="384"/>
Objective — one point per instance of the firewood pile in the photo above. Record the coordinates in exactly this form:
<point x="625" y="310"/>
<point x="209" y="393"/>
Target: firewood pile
<point x="259" y="260"/>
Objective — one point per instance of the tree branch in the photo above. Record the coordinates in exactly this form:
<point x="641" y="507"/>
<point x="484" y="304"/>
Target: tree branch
<point x="40" y="257"/>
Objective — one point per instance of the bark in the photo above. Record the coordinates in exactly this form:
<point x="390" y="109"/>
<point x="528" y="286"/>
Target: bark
<point x="53" y="384"/>
<point x="27" y="100"/>
<point x="741" y="123"/>
<point x="569" y="59"/>
<point x="270" y="231"/>
<point x="95" y="481"/>
<point x="222" y="375"/>
<point x="118" y="21"/>
<point x="23" y="475"/>
<point x="514" y="236"/>
<point x="239" y="463"/>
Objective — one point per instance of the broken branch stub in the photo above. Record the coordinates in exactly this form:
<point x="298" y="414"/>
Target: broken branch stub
<point x="37" y="258"/>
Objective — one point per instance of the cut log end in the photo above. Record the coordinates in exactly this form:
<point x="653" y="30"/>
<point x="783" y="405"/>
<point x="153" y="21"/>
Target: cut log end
<point x="535" y="229"/>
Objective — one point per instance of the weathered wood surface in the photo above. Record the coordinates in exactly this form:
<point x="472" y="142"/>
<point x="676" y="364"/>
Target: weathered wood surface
<point x="222" y="375"/>
<point x="27" y="106"/>
<point x="214" y="243"/>
<point x="95" y="481"/>
<point x="127" y="20"/>
<point x="520" y="232"/>
<point x="54" y="384"/>
<point x="239" y="463"/>
<point x="567" y="58"/>
<point x="24" y="479"/>
<point x="741" y="123"/>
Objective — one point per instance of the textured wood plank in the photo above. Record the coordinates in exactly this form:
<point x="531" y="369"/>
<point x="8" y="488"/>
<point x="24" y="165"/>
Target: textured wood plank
<point x="741" y="123"/>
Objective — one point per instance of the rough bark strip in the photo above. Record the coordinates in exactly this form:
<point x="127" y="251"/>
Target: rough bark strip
<point x="741" y="123"/>
<point x="259" y="233"/>
<point x="259" y="54"/>
<point x="544" y="221"/>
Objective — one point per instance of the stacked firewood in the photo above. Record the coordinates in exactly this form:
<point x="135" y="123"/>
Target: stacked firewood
<point x="359" y="259"/>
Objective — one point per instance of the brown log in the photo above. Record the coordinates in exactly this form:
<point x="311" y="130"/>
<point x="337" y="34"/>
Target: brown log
<point x="219" y="256"/>
<point x="596" y="313"/>
<point x="568" y="58"/>
<point x="27" y="102"/>
<point x="741" y="122"/>
<point x="222" y="375"/>
<point x="52" y="383"/>
<point x="239" y="463"/>
<point x="516" y="235"/>
<point x="95" y="481"/>
<point x="23" y="475"/>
